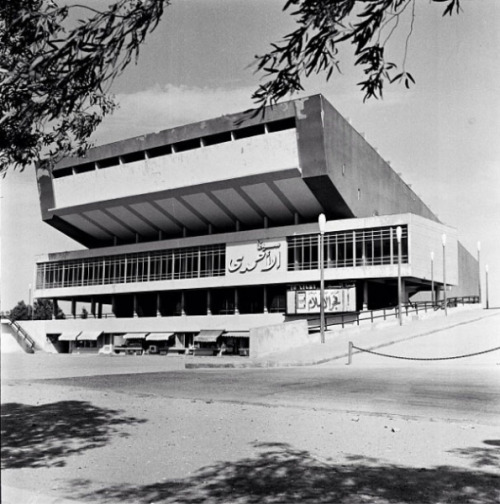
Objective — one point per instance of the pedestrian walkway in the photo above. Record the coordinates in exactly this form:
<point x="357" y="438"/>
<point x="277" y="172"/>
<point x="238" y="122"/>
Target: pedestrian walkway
<point x="377" y="336"/>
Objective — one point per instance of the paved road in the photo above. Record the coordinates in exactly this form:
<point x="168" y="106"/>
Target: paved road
<point x="458" y="394"/>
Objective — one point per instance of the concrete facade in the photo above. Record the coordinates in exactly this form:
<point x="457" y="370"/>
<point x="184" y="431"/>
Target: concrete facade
<point x="220" y="219"/>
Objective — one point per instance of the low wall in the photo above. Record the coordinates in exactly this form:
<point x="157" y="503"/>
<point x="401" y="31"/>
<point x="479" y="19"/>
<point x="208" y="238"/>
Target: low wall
<point x="279" y="337"/>
<point x="8" y="341"/>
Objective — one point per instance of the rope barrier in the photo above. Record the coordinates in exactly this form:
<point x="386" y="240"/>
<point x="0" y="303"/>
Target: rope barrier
<point x="423" y="358"/>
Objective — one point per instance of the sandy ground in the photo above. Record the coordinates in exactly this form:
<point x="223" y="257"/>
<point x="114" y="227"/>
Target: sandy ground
<point x="62" y="441"/>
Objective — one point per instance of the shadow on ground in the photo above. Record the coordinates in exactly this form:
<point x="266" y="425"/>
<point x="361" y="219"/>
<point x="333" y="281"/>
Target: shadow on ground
<point x="482" y="456"/>
<point x="280" y="474"/>
<point x="42" y="436"/>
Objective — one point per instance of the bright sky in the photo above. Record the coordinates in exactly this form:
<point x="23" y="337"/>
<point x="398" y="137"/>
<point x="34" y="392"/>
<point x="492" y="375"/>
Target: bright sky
<point x="442" y="135"/>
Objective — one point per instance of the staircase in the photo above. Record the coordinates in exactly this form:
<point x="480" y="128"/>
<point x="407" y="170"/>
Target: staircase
<point x="25" y="341"/>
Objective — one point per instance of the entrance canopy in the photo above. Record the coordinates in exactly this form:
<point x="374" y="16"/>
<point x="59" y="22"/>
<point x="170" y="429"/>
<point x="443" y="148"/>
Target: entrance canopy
<point x="159" y="336"/>
<point x="89" y="335"/>
<point x="69" y="336"/>
<point x="208" y="336"/>
<point x="135" y="336"/>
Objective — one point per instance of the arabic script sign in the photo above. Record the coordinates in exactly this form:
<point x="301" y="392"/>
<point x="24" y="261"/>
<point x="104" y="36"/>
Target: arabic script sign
<point x="335" y="300"/>
<point x="255" y="257"/>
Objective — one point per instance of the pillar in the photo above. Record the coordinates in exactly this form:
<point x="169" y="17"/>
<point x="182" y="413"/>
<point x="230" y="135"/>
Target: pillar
<point x="236" y="302"/>
<point x="136" y="306"/>
<point x="209" y="302"/>
<point x="183" y="303"/>
<point x="55" y="309"/>
<point x="265" y="299"/>
<point x="158" y="304"/>
<point x="92" y="305"/>
<point x="73" y="308"/>
<point x="365" y="295"/>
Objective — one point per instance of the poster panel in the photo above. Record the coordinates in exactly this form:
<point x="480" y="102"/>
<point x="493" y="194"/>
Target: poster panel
<point x="335" y="300"/>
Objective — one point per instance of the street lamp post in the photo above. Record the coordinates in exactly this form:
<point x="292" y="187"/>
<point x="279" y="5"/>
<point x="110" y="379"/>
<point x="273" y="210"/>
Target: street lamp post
<point x="486" y="288"/>
<point x="432" y="278"/>
<point x="443" y="238"/>
<point x="322" y="225"/>
<point x="398" y="238"/>
<point x="479" y="269"/>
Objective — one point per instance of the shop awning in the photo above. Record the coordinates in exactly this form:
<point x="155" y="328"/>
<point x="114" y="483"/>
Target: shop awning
<point x="132" y="335"/>
<point x="89" y="335"/>
<point x="69" y="336"/>
<point x="237" y="334"/>
<point x="208" y="336"/>
<point x="159" y="336"/>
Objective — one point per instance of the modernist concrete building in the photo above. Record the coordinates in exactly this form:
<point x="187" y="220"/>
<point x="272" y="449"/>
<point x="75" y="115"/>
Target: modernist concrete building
<point x="213" y="226"/>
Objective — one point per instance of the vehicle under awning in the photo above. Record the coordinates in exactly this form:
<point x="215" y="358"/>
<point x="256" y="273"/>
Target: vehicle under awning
<point x="69" y="336"/>
<point x="159" y="336"/>
<point x="135" y="336"/>
<point x="89" y="335"/>
<point x="208" y="336"/>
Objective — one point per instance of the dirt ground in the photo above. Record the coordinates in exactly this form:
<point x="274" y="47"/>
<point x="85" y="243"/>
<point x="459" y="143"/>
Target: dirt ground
<point x="61" y="441"/>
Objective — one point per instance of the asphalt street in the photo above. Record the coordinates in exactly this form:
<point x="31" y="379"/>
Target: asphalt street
<point x="447" y="393"/>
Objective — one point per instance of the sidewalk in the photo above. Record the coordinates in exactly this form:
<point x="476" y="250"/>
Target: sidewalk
<point x="335" y="348"/>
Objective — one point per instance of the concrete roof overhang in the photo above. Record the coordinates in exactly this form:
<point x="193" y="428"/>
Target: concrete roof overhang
<point x="276" y="196"/>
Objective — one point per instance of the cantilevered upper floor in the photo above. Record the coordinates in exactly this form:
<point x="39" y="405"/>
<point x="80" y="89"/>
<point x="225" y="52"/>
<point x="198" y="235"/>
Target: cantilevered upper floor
<point x="232" y="173"/>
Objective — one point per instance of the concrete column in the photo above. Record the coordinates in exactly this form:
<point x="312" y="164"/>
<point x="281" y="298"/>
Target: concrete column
<point x="55" y="308"/>
<point x="183" y="303"/>
<point x="92" y="306"/>
<point x="365" y="295"/>
<point x="113" y="305"/>
<point x="158" y="304"/>
<point x="404" y="292"/>
<point x="236" y="302"/>
<point x="136" y="306"/>
<point x="209" y="302"/>
<point x="99" y="310"/>
<point x="73" y="308"/>
<point x="265" y="299"/>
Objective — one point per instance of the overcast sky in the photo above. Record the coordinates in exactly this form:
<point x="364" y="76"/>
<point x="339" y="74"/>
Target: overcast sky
<point x="442" y="136"/>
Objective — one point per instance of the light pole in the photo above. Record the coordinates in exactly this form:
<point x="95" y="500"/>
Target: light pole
<point x="322" y="225"/>
<point x="443" y="238"/>
<point x="479" y="269"/>
<point x="486" y="287"/>
<point x="432" y="278"/>
<point x="398" y="238"/>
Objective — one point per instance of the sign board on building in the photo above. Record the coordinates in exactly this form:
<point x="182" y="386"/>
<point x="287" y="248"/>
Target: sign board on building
<point x="256" y="257"/>
<point x="308" y="301"/>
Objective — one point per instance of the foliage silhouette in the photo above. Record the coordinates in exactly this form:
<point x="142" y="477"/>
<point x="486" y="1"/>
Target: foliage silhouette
<point x="482" y="456"/>
<point x="42" y="436"/>
<point x="280" y="474"/>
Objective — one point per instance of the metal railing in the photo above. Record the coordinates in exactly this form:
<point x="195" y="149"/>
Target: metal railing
<point x="355" y="318"/>
<point x="24" y="339"/>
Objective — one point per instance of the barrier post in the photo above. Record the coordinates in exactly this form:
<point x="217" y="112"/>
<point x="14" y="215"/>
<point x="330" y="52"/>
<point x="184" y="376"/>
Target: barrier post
<point x="349" y="355"/>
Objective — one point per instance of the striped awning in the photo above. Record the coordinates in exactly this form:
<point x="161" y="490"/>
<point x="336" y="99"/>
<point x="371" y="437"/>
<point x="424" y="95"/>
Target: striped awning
<point x="89" y="335"/>
<point x="135" y="335"/>
<point x="208" y="336"/>
<point x="159" y="336"/>
<point x="237" y="334"/>
<point x="69" y="336"/>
